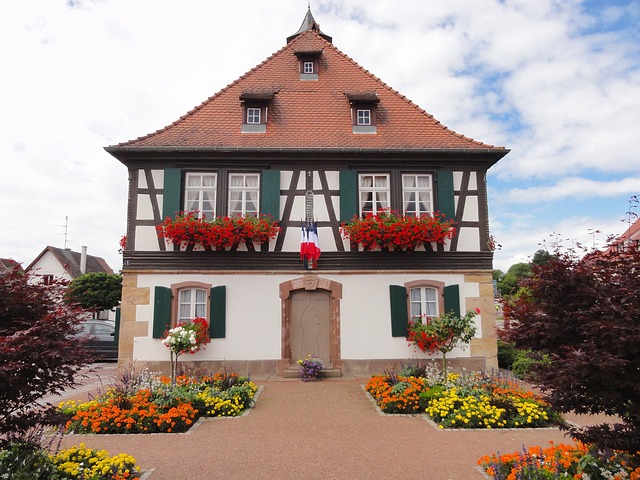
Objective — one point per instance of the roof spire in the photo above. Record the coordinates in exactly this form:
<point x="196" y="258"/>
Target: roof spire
<point x="309" y="23"/>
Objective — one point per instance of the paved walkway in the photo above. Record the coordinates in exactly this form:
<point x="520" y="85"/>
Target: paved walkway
<point x="318" y="430"/>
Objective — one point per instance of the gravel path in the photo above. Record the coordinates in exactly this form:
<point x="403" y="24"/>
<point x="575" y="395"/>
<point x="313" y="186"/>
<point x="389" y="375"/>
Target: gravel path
<point x="318" y="430"/>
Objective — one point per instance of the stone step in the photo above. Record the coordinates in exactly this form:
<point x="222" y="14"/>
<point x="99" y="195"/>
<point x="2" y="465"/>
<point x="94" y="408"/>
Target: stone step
<point x="294" y="372"/>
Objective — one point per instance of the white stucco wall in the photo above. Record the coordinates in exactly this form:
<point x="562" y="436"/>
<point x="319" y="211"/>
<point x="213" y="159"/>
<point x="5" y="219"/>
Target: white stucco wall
<point x="254" y="333"/>
<point x="48" y="264"/>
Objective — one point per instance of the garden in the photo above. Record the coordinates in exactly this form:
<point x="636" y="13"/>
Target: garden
<point x="153" y="404"/>
<point x="460" y="401"/>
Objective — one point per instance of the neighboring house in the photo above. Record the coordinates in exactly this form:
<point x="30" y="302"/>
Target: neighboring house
<point x="629" y="238"/>
<point x="8" y="264"/>
<point x="61" y="263"/>
<point x="307" y="133"/>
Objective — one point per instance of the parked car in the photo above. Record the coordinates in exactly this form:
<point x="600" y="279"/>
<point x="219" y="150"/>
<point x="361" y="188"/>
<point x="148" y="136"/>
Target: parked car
<point x="103" y="338"/>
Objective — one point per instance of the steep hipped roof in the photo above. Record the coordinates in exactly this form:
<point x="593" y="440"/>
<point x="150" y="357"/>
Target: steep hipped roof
<point x="306" y="114"/>
<point x="70" y="261"/>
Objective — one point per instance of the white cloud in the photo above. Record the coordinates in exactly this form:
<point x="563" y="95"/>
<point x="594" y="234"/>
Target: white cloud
<point x="573" y="187"/>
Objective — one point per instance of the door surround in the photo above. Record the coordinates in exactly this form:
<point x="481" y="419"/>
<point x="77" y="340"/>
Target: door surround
<point x="310" y="282"/>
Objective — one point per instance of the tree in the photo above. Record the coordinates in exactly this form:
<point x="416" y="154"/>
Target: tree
<point x="540" y="257"/>
<point x="39" y="354"/>
<point x="443" y="333"/>
<point x="584" y="315"/>
<point x="510" y="282"/>
<point x="95" y="291"/>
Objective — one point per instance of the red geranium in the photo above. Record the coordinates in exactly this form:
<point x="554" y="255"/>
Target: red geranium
<point x="388" y="230"/>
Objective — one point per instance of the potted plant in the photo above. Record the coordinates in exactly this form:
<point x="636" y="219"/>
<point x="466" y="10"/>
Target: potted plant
<point x="310" y="368"/>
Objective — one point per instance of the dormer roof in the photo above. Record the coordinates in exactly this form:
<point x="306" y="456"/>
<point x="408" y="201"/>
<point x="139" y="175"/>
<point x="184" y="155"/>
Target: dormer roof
<point x="305" y="115"/>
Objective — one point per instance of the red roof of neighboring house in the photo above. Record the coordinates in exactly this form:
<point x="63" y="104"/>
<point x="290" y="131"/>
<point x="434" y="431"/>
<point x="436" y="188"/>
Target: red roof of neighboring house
<point x="306" y="114"/>
<point x="71" y="261"/>
<point x="7" y="264"/>
<point x="631" y="235"/>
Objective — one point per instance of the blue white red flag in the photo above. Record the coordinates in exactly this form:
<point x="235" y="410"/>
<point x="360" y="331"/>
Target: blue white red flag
<point x="309" y="244"/>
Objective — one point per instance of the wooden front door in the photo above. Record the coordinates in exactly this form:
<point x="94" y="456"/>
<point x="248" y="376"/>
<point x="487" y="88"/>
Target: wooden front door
<point x="310" y="325"/>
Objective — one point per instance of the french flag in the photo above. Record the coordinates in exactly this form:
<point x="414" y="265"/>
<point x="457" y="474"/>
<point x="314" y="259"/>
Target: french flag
<point x="309" y="245"/>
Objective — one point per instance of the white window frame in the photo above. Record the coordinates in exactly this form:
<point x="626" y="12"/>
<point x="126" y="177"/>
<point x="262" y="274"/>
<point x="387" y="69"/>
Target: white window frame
<point x="200" y="190"/>
<point x="417" y="192"/>
<point x="195" y="304"/>
<point x="426" y="305"/>
<point x="307" y="67"/>
<point x="254" y="115"/>
<point x="377" y="194"/>
<point x="363" y="116"/>
<point x="246" y="191"/>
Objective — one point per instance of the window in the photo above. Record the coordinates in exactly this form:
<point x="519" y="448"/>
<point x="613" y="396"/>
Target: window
<point x="363" y="117"/>
<point x="253" y="115"/>
<point x="308" y="67"/>
<point x="417" y="195"/>
<point x="47" y="279"/>
<point x="244" y="194"/>
<point x="200" y="194"/>
<point x="192" y="303"/>
<point x="423" y="302"/>
<point x="374" y="193"/>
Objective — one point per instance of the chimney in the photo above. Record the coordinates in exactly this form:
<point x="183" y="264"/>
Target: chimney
<point x="83" y="261"/>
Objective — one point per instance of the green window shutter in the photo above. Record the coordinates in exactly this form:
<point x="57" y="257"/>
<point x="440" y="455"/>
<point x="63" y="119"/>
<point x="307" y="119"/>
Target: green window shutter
<point x="399" y="312"/>
<point x="218" y="312"/>
<point x="452" y="299"/>
<point x="446" y="202"/>
<point x="116" y="336"/>
<point x="271" y="193"/>
<point x="171" y="192"/>
<point x="348" y="194"/>
<point x="161" y="311"/>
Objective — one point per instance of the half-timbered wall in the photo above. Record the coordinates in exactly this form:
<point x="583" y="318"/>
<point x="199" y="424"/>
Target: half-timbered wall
<point x="148" y="206"/>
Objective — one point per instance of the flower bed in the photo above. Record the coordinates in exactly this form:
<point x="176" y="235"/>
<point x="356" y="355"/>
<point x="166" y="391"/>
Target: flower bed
<point x="20" y="460"/>
<point x="559" y="461"/>
<point x="157" y="405"/>
<point x="470" y="401"/>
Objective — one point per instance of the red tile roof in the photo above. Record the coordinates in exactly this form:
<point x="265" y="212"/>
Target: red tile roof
<point x="306" y="114"/>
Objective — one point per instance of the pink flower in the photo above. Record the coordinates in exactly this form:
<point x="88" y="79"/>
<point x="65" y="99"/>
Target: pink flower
<point x="477" y="310"/>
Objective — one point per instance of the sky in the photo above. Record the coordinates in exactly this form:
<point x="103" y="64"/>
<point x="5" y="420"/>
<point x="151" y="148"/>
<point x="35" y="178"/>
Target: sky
<point x="555" y="81"/>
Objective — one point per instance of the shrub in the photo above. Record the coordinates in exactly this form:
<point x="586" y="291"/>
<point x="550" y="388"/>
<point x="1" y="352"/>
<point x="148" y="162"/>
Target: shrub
<point x="507" y="354"/>
<point x="40" y="354"/>
<point x="584" y="316"/>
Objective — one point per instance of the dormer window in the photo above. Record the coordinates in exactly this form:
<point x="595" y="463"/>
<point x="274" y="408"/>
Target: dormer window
<point x="363" y="117"/>
<point x="255" y="109"/>
<point x="308" y="63"/>
<point x="364" y="106"/>
<point x="253" y="115"/>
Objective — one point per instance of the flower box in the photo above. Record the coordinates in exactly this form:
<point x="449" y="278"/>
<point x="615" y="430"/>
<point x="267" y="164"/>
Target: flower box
<point x="189" y="232"/>
<point x="393" y="232"/>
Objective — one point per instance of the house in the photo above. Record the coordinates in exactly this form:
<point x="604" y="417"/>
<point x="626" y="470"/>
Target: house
<point x="8" y="264"/>
<point x="62" y="263"/>
<point x="310" y="138"/>
<point x="629" y="238"/>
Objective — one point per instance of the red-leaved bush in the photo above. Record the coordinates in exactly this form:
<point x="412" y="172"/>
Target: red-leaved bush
<point x="583" y="317"/>
<point x="39" y="354"/>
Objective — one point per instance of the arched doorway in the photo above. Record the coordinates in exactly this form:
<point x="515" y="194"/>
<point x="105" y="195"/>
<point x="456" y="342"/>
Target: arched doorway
<point x="310" y="320"/>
